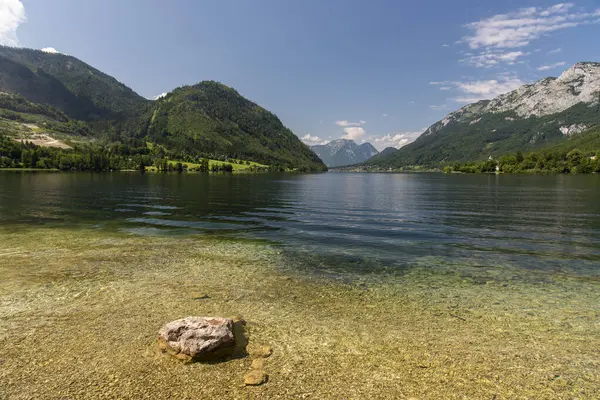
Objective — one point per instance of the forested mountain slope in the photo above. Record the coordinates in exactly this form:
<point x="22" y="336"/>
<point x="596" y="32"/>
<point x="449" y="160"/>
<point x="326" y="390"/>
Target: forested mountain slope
<point x="534" y="116"/>
<point x="61" y="95"/>
<point x="218" y="120"/>
<point x="66" y="83"/>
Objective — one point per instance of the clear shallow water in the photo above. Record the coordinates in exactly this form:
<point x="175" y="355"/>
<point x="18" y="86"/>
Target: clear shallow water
<point x="337" y="221"/>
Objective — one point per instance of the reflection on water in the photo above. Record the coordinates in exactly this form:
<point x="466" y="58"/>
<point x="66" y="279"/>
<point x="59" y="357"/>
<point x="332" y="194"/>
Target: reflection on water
<point x="337" y="221"/>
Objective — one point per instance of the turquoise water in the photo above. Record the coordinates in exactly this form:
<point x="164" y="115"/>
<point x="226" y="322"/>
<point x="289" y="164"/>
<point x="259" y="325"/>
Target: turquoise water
<point x="336" y="221"/>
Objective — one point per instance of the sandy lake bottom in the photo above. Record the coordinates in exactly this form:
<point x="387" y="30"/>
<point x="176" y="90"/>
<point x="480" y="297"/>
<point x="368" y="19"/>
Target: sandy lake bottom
<point x="80" y="309"/>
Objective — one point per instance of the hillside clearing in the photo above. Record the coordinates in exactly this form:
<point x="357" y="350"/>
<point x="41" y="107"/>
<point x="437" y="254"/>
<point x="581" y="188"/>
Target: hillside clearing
<point x="44" y="140"/>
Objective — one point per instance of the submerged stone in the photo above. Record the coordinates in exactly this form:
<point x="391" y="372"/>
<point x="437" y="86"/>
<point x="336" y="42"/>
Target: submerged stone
<point x="260" y="351"/>
<point x="266" y="351"/>
<point x="199" y="296"/>
<point x="258" y="363"/>
<point x="255" y="378"/>
<point x="198" y="338"/>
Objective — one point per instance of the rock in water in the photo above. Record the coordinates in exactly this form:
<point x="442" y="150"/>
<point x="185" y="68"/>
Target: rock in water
<point x="198" y="338"/>
<point x="255" y="378"/>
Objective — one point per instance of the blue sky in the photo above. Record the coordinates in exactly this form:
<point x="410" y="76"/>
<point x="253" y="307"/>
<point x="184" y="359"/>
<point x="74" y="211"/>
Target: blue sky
<point x="377" y="70"/>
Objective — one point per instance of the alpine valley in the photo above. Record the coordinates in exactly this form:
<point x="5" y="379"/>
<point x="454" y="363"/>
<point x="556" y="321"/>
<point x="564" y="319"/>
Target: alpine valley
<point x="59" y="112"/>
<point x="551" y="113"/>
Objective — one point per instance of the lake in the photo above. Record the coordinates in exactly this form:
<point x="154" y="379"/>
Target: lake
<point x="337" y="222"/>
<point x="366" y="286"/>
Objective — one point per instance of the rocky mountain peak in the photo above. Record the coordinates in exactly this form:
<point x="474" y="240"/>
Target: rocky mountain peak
<point x="580" y="83"/>
<point x="549" y="111"/>
<point x="344" y="152"/>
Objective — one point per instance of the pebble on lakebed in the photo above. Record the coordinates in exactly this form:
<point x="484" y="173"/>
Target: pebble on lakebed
<point x="198" y="338"/>
<point x="255" y="378"/>
<point x="257" y="375"/>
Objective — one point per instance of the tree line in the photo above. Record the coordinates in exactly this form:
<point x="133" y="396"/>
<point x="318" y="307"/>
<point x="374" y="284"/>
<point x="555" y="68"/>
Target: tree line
<point x="133" y="155"/>
<point x="574" y="161"/>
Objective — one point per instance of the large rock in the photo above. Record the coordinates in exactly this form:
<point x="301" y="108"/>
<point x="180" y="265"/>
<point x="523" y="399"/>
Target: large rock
<point x="198" y="338"/>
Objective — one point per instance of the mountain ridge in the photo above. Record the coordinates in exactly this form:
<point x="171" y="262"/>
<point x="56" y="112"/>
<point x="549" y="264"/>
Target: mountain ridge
<point x="67" y="83"/>
<point x="205" y="120"/>
<point x="343" y="152"/>
<point x="229" y="124"/>
<point x="530" y="117"/>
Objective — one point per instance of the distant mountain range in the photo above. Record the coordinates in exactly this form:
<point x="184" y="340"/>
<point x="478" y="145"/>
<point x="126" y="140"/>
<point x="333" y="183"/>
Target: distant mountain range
<point x="71" y="99"/>
<point x="545" y="113"/>
<point x="60" y="96"/>
<point x="344" y="152"/>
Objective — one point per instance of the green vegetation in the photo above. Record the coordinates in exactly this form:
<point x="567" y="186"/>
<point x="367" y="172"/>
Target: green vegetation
<point x="231" y="165"/>
<point x="85" y="157"/>
<point x="216" y="119"/>
<point x="112" y="157"/>
<point x="67" y="84"/>
<point x="15" y="111"/>
<point x="580" y="155"/>
<point x="476" y="137"/>
<point x="95" y="114"/>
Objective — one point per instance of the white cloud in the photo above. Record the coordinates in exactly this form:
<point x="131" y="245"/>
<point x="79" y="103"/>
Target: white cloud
<point x="519" y="28"/>
<point x="348" y="123"/>
<point x="490" y="88"/>
<point x="499" y="41"/>
<point x="445" y="45"/>
<point x="476" y="90"/>
<point x="468" y="99"/>
<point x="353" y="130"/>
<point x="353" y="133"/>
<point x="50" y="50"/>
<point x="491" y="58"/>
<point x="438" y="107"/>
<point x="384" y="115"/>
<point x="313" y="140"/>
<point x="12" y="14"/>
<point x="160" y="96"/>
<point x="551" y="66"/>
<point x="395" y="139"/>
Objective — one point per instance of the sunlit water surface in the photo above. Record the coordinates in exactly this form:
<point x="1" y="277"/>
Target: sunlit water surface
<point x="337" y="222"/>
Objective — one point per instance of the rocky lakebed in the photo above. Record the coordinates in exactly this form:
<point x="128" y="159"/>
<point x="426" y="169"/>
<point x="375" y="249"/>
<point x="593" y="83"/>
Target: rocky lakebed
<point x="91" y="314"/>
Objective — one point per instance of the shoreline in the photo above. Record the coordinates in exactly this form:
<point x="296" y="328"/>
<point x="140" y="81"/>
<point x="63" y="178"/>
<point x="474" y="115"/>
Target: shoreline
<point x="137" y="170"/>
<point x="80" y="308"/>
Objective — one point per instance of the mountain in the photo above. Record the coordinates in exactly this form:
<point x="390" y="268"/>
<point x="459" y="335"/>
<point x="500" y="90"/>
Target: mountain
<point x="60" y="96"/>
<point x="66" y="83"/>
<point x="544" y="113"/>
<point x="344" y="152"/>
<point x="387" y="151"/>
<point x="383" y="154"/>
<point x="216" y="119"/>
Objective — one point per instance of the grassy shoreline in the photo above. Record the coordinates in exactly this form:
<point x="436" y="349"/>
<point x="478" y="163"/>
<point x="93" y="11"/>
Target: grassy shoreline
<point x="79" y="311"/>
